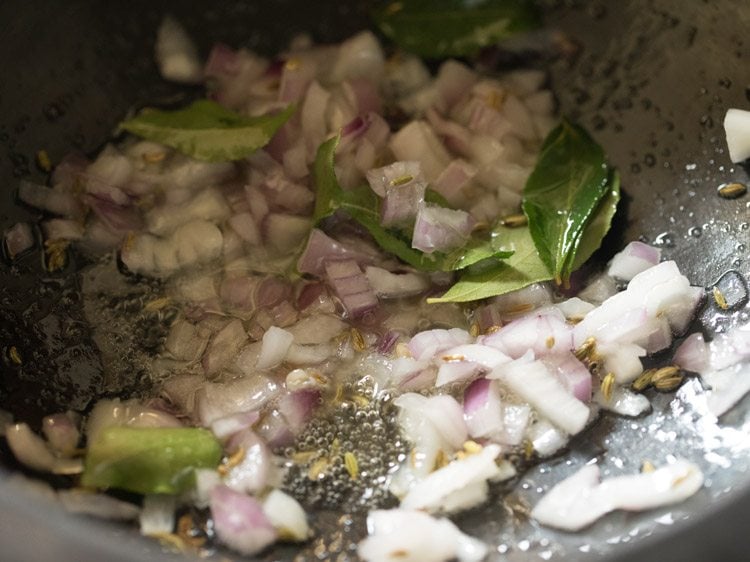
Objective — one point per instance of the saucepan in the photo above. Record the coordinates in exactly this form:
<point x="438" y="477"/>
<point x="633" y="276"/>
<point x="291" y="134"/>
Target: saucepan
<point x="650" y="79"/>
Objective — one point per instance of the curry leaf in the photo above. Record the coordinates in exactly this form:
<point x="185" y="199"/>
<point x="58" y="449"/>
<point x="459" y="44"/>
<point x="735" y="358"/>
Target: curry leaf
<point x="207" y="131"/>
<point x="453" y="28"/>
<point x="522" y="268"/>
<point x="599" y="225"/>
<point x="562" y="194"/>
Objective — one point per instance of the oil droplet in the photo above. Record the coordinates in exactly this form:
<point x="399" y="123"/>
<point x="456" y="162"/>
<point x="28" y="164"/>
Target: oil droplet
<point x="690" y="167"/>
<point x="695" y="232"/>
<point x="635" y="168"/>
<point x="732" y="190"/>
<point x="650" y="160"/>
<point x="707" y="121"/>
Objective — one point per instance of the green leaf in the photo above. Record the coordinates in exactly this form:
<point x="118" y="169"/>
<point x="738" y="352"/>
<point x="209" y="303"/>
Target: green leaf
<point x="563" y="193"/>
<point x="453" y="28"/>
<point x="149" y="460"/>
<point x="324" y="179"/>
<point x="475" y="252"/>
<point x="522" y="268"/>
<point x="599" y="225"/>
<point x="207" y="131"/>
<point x="435" y="198"/>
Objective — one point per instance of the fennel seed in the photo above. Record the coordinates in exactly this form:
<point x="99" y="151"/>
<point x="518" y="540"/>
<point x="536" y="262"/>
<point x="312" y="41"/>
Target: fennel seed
<point x="668" y="384"/>
<point x="550" y="342"/>
<point x="157" y="304"/>
<point x="647" y="467"/>
<point x="232" y="461"/>
<point x="514" y="221"/>
<point x="453" y="358"/>
<point x="472" y="447"/>
<point x="586" y="350"/>
<point x="55" y="252"/>
<point x="43" y="161"/>
<point x="318" y="469"/>
<point x="474" y="329"/>
<point x="607" y="386"/>
<point x="402" y="350"/>
<point x="643" y="380"/>
<point x="402" y="180"/>
<point x="15" y="355"/>
<point x="358" y="340"/>
<point x="154" y="156"/>
<point x="351" y="465"/>
<point x="719" y="299"/>
<point x="732" y="190"/>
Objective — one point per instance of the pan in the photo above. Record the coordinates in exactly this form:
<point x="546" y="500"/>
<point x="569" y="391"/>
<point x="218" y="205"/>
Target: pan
<point x="651" y="80"/>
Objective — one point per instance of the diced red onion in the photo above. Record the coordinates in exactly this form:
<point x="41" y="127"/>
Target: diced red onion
<point x="276" y="343"/>
<point x="574" y="375"/>
<point x="239" y="521"/>
<point x="401" y="204"/>
<point x="599" y="290"/>
<point x="453" y="80"/>
<point x="19" y="238"/>
<point x="623" y="401"/>
<point x="442" y="412"/>
<point x="118" y="218"/>
<point x="296" y="75"/>
<point x="223" y="347"/>
<point x="394" y="285"/>
<point x="176" y="53"/>
<point x="351" y="286"/>
<point x="482" y="409"/>
<point x="535" y="384"/>
<point x="286" y="515"/>
<point x="632" y="260"/>
<point x="321" y="248"/>
<point x="226" y="427"/>
<point x="252" y="474"/>
<point x="69" y="169"/>
<point x="397" y="173"/>
<point x="313" y="113"/>
<point x="285" y="232"/>
<point x="287" y="195"/>
<point x="454" y="179"/>
<point x="417" y="141"/>
<point x="239" y="292"/>
<point x="431" y="342"/>
<point x="440" y="229"/>
<point x="295" y="161"/>
<point x="455" y="136"/>
<point x="245" y="226"/>
<point x="61" y="431"/>
<point x="298" y="407"/>
<point x="693" y="354"/>
<point x="317" y="328"/>
<point x="62" y="229"/>
<point x="387" y="342"/>
<point x="543" y="333"/>
<point x="727" y="387"/>
<point x="360" y="56"/>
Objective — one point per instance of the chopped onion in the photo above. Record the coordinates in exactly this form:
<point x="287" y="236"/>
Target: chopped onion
<point x="431" y="342"/>
<point x="252" y="473"/>
<point x="400" y="535"/>
<point x="693" y="354"/>
<point x="176" y="54"/>
<point x="397" y="174"/>
<point x="321" y="248"/>
<point x="545" y="334"/>
<point x="440" y="229"/>
<point x="223" y="347"/>
<point x="351" y="285"/>
<point x="393" y="285"/>
<point x="85" y="502"/>
<point x="31" y="450"/>
<point x="581" y="499"/>
<point x="286" y="515"/>
<point x="157" y="516"/>
<point x="62" y="229"/>
<point x="574" y="375"/>
<point x="18" y="239"/>
<point x="454" y="179"/>
<point x="440" y="488"/>
<point x="216" y="400"/>
<point x="635" y="258"/>
<point x="623" y="402"/>
<point x="728" y="387"/>
<point x="110" y="413"/>
<point x="401" y="204"/>
<point x="55" y="201"/>
<point x="228" y="426"/>
<point x="239" y="521"/>
<point x="533" y="382"/>
<point x="417" y="141"/>
<point x="276" y="343"/>
<point x="737" y="129"/>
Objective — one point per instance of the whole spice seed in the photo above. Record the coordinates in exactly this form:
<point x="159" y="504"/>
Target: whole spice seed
<point x="317" y="469"/>
<point x="43" y="161"/>
<point x="719" y="298"/>
<point x="358" y="341"/>
<point x="586" y="350"/>
<point x="644" y="380"/>
<point x="15" y="355"/>
<point x="351" y="465"/>
<point x="647" y="466"/>
<point x="514" y="221"/>
<point x="732" y="190"/>
<point x="403" y="180"/>
<point x="55" y="252"/>
<point x="607" y="386"/>
<point x="668" y="384"/>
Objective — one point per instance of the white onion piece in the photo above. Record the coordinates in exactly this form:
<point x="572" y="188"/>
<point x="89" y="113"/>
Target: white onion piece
<point x="624" y="402"/>
<point x="480" y="357"/>
<point x="395" y="174"/>
<point x="417" y="141"/>
<point x="455" y="371"/>
<point x="208" y="205"/>
<point x="727" y="387"/>
<point x="574" y="375"/>
<point x="185" y="341"/>
<point x="226" y="427"/>
<point x="313" y="114"/>
<point x="453" y="180"/>
<point x="321" y="248"/>
<point x="599" y="289"/>
<point x="524" y="300"/>
<point x="239" y="521"/>
<point x="18" y="239"/>
<point x="206" y="479"/>
<point x="693" y="354"/>
<point x="440" y="229"/>
<point x="431" y="342"/>
<point x="635" y="258"/>
<point x="297" y="408"/>
<point x="317" y="329"/>
<point x="253" y="471"/>
<point x="190" y="244"/>
<point x="223" y="348"/>
<point x="61" y="431"/>
<point x="55" y="201"/>
<point x="157" y="514"/>
<point x="62" y="229"/>
<point x="581" y="499"/>
<point x="401" y="203"/>
<point x="309" y="354"/>
<point x="453" y="80"/>
<point x="84" y="502"/>
<point x="180" y="390"/>
<point x="444" y="484"/>
<point x="487" y="416"/>
<point x="623" y="360"/>
<point x="286" y="515"/>
<point x="546" y="438"/>
<point x="276" y="343"/>
<point x="31" y="450"/>
<point x="285" y="232"/>
<point x="574" y="308"/>
<point x="360" y="56"/>
<point x="393" y="285"/>
<point x="535" y="384"/>
<point x="400" y="535"/>
<point x="176" y="54"/>
<point x="737" y="129"/>
<point x="110" y="413"/>
<point x="545" y="334"/>
<point x="216" y="400"/>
